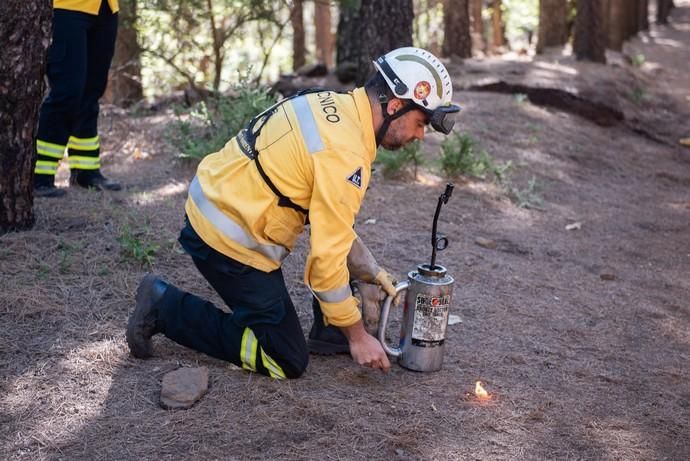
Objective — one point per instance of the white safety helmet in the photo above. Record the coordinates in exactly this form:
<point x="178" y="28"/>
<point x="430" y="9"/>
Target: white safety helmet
<point x="415" y="74"/>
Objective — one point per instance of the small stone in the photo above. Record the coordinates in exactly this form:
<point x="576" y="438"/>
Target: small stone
<point x="607" y="275"/>
<point x="486" y="243"/>
<point x="183" y="387"/>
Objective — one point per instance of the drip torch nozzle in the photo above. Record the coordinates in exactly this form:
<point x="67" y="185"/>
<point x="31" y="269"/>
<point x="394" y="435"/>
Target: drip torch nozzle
<point x="439" y="243"/>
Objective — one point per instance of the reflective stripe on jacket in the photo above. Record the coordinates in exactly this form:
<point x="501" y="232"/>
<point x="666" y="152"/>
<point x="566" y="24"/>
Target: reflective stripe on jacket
<point x="317" y="149"/>
<point x="85" y="6"/>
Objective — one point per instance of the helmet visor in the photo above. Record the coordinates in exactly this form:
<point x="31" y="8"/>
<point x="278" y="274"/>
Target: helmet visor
<point x="442" y="119"/>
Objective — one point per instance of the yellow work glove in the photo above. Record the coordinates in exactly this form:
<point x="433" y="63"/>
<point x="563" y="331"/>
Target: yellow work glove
<point x="370" y="297"/>
<point x="386" y="281"/>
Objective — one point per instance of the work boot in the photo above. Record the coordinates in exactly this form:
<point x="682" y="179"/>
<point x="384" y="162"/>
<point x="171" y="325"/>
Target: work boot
<point x="325" y="340"/>
<point x="92" y="179"/>
<point x="44" y="186"/>
<point x="142" y="322"/>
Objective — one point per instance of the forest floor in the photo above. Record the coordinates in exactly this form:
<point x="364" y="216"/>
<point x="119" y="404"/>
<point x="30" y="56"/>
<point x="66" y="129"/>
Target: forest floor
<point x="575" y="312"/>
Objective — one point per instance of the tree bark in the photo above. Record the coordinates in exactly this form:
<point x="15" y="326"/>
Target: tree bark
<point x="663" y="8"/>
<point x="477" y="25"/>
<point x="498" y="32"/>
<point x="25" y="29"/>
<point x="553" y="28"/>
<point x="632" y="23"/>
<point x="456" y="22"/>
<point x="368" y="31"/>
<point x="617" y="23"/>
<point x="299" y="49"/>
<point x="643" y="14"/>
<point x="125" y="80"/>
<point x="590" y="36"/>
<point x="324" y="34"/>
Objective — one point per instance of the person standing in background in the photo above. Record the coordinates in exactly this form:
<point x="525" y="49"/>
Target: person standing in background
<point x="84" y="33"/>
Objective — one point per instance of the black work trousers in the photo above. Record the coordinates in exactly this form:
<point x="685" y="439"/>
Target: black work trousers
<point x="78" y="63"/>
<point x="262" y="334"/>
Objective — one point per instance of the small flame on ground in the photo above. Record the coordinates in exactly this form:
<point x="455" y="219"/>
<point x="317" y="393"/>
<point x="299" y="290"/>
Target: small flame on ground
<point x="480" y="392"/>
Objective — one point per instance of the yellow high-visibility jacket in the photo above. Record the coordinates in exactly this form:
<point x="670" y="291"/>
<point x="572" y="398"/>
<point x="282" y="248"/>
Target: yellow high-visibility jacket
<point x="85" y="6"/>
<point x="317" y="149"/>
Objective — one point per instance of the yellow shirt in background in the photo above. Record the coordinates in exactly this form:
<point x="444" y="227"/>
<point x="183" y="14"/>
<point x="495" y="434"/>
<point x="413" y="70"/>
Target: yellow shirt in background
<point x="85" y="6"/>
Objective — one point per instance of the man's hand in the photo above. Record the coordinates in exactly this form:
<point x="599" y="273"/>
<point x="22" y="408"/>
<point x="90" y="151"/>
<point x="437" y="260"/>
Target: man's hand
<point x="386" y="281"/>
<point x="365" y="349"/>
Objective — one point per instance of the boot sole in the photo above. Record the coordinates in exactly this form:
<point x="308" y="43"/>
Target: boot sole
<point x="140" y="346"/>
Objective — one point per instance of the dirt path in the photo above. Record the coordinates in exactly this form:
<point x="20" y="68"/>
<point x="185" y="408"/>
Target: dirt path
<point x="581" y="336"/>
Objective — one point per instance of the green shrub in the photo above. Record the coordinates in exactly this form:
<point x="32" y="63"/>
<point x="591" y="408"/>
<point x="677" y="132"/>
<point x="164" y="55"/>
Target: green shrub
<point x="393" y="162"/>
<point x="461" y="155"/>
<point x="137" y="247"/>
<point x="528" y="197"/>
<point x="207" y="127"/>
<point x="638" y="60"/>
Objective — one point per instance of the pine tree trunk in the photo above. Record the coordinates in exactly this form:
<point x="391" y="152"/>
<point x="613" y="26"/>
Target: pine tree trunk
<point x="663" y="8"/>
<point x="25" y="28"/>
<point x="643" y="14"/>
<point x="477" y="25"/>
<point x="617" y="24"/>
<point x="125" y="81"/>
<point x="590" y="30"/>
<point x="368" y="31"/>
<point x="553" y="30"/>
<point x="299" y="50"/>
<point x="632" y="20"/>
<point x="498" y="32"/>
<point x="456" y="36"/>
<point x="324" y="35"/>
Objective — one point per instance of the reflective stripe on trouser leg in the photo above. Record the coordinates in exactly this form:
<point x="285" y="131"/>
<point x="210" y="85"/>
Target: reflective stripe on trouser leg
<point x="84" y="153"/>
<point x="274" y="370"/>
<point x="49" y="149"/>
<point x="248" y="352"/>
<point x="48" y="167"/>
<point x="48" y="158"/>
<point x="88" y="144"/>
<point x="82" y="162"/>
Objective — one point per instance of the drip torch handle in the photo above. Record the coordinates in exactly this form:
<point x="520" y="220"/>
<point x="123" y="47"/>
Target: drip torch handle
<point x="383" y="322"/>
<point x="439" y="243"/>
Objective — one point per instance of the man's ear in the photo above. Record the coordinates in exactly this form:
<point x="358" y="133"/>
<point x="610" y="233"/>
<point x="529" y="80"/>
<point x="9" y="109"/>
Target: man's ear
<point x="394" y="105"/>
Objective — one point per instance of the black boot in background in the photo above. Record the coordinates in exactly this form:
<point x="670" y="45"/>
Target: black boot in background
<point x="325" y="340"/>
<point x="44" y="186"/>
<point x="92" y="179"/>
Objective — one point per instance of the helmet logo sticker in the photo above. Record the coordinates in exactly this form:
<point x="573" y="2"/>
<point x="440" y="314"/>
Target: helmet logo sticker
<point x="422" y="90"/>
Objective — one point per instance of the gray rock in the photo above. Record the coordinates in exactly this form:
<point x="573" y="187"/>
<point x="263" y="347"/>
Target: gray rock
<point x="183" y="387"/>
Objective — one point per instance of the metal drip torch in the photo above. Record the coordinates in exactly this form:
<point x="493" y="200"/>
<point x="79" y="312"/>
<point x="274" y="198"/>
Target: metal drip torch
<point x="427" y="304"/>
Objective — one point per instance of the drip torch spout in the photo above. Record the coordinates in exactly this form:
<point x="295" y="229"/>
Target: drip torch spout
<point x="439" y="243"/>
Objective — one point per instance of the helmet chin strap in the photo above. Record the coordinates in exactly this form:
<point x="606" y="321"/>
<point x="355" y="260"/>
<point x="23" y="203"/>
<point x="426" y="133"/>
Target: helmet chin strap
<point x="387" y="118"/>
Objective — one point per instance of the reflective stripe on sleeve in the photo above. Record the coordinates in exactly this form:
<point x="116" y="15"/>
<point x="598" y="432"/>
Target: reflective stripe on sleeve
<point x="49" y="149"/>
<point x="336" y="295"/>
<point x="46" y="167"/>
<point x="230" y="228"/>
<point x="79" y="162"/>
<point x="248" y="350"/>
<point x="307" y="124"/>
<point x="84" y="143"/>
<point x="273" y="368"/>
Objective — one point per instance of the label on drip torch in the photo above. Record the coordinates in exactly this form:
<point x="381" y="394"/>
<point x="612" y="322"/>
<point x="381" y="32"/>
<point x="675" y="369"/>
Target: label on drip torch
<point x="430" y="320"/>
